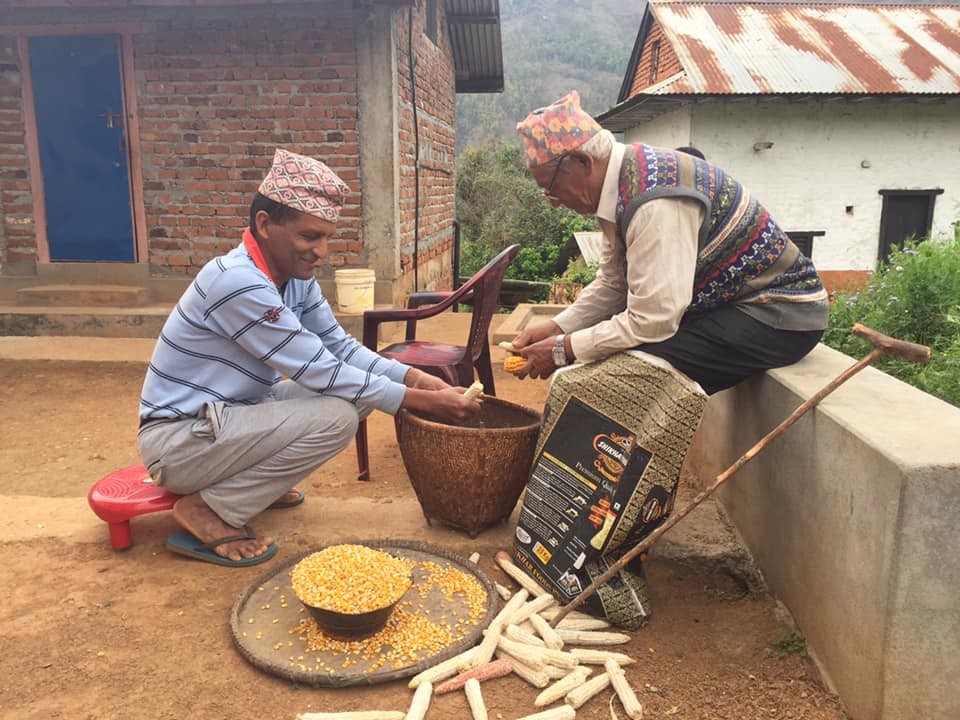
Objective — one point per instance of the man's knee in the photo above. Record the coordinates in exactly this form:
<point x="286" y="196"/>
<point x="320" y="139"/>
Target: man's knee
<point x="336" y="422"/>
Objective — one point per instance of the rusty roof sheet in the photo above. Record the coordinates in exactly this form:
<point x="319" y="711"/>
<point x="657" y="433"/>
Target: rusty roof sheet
<point x="777" y="48"/>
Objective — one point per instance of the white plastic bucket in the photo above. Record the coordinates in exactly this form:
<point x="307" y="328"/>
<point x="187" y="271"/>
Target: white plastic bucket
<point x="355" y="289"/>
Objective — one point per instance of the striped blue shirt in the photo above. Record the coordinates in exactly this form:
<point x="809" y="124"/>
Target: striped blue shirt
<point x="232" y="337"/>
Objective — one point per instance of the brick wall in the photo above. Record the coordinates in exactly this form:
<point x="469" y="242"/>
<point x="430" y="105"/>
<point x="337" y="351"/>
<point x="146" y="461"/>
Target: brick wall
<point x="668" y="64"/>
<point x="17" y="245"/>
<point x="436" y="106"/>
<point x="216" y="97"/>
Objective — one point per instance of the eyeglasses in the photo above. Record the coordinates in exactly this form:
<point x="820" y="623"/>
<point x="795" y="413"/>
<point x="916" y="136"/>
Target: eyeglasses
<point x="548" y="190"/>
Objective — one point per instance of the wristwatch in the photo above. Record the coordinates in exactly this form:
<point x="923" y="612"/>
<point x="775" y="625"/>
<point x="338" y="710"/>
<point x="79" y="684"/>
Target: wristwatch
<point x="559" y="352"/>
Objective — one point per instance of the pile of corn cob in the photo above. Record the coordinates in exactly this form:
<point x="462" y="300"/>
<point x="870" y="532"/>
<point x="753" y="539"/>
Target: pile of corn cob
<point x="523" y="642"/>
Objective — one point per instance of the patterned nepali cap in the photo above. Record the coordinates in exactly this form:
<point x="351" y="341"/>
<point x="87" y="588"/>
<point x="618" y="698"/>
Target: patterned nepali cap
<point x="551" y="131"/>
<point x="304" y="184"/>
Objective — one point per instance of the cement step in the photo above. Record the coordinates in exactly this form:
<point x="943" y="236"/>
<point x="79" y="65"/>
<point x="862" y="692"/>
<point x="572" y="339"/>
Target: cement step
<point x="100" y="295"/>
<point x="115" y="322"/>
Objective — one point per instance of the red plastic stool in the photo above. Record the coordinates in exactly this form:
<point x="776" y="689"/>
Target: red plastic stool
<point x="124" y="494"/>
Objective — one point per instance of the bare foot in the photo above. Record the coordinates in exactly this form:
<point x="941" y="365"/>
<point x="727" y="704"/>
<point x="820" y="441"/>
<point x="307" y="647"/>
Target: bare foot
<point x="290" y="496"/>
<point x="195" y="516"/>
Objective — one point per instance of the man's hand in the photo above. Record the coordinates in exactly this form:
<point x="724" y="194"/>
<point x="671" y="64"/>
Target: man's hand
<point x="416" y="378"/>
<point x="539" y="357"/>
<point x="448" y="405"/>
<point x="535" y="334"/>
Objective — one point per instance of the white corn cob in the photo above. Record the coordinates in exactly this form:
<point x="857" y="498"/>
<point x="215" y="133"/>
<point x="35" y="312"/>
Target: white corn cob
<point x="631" y="706"/>
<point x="549" y="635"/>
<point x="442" y="671"/>
<point x="534" y="606"/>
<point x="512" y="605"/>
<point x="420" y="702"/>
<point x="562" y="686"/>
<point x="515" y="633"/>
<point x="578" y="696"/>
<point x="359" y="715"/>
<point x="561" y="712"/>
<point x="541" y="654"/>
<point x="555" y="673"/>
<point x="551" y="613"/>
<point x="474" y="391"/>
<point x="487" y="646"/>
<point x="475" y="699"/>
<point x="524" y="580"/>
<point x="532" y="675"/>
<point x="474" y="558"/>
<point x="589" y="656"/>
<point x="523" y="653"/>
<point x="586" y="623"/>
<point x="592" y="637"/>
<point x="505" y="593"/>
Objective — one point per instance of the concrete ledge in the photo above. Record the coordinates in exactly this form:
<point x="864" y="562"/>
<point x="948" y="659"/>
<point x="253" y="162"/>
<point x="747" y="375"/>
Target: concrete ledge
<point x="524" y="314"/>
<point x="851" y="516"/>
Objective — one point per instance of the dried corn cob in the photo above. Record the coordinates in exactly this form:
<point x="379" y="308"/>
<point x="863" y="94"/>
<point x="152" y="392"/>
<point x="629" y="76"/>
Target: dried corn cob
<point x="515" y="633"/>
<point x="524" y="580"/>
<point x="534" y="606"/>
<point x="475" y="699"/>
<point x="562" y="686"/>
<point x="631" y="706"/>
<point x="589" y="656"/>
<point x="421" y="702"/>
<point x="532" y="675"/>
<point x="578" y="696"/>
<point x="487" y="671"/>
<point x="561" y="712"/>
<point x="592" y="637"/>
<point x="549" y="635"/>
<point x="359" y="715"/>
<point x="443" y="670"/>
<point x="474" y="391"/>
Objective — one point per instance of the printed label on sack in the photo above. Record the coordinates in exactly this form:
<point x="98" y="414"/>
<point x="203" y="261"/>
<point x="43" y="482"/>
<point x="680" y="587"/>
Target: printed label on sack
<point x="586" y="473"/>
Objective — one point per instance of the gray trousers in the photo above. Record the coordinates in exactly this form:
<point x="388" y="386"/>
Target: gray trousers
<point x="241" y="458"/>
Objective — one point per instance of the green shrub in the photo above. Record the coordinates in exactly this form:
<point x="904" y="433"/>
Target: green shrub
<point x="914" y="297"/>
<point x="498" y="204"/>
<point x="579" y="271"/>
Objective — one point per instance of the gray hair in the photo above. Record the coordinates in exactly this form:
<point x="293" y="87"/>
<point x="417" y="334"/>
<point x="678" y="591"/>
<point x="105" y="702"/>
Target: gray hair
<point x="599" y="146"/>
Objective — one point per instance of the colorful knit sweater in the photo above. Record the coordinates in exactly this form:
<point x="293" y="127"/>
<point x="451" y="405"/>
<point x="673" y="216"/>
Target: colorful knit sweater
<point x="744" y="256"/>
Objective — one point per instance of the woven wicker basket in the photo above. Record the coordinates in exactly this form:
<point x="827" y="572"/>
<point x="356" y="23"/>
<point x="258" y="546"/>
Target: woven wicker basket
<point x="470" y="477"/>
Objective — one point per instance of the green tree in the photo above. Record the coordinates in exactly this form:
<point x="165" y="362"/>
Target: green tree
<point x="499" y="204"/>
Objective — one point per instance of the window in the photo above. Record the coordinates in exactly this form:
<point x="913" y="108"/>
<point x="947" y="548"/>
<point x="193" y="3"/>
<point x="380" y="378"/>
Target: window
<point x="803" y="239"/>
<point x="654" y="61"/>
<point x="906" y="214"/>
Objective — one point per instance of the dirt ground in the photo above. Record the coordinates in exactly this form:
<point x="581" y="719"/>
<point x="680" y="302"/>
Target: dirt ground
<point x="92" y="633"/>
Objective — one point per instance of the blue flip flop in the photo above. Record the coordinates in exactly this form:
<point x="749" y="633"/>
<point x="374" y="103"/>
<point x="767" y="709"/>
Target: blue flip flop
<point x="184" y="543"/>
<point x="278" y="505"/>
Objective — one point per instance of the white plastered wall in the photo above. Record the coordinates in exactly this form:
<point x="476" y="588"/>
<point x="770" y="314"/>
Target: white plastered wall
<point x="813" y="177"/>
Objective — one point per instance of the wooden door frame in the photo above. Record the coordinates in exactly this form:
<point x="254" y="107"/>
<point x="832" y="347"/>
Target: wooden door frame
<point x="128" y="85"/>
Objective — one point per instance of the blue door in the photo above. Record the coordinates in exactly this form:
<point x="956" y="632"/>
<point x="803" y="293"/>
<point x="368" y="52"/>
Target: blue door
<point x="83" y="147"/>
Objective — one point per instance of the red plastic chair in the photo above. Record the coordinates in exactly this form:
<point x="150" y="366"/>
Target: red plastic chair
<point x="453" y="363"/>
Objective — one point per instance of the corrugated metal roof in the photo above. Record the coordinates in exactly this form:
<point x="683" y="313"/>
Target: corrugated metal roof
<point x="781" y="48"/>
<point x="475" y="37"/>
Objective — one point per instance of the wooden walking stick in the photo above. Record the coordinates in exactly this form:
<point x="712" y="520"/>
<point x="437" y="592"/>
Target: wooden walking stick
<point x="882" y="346"/>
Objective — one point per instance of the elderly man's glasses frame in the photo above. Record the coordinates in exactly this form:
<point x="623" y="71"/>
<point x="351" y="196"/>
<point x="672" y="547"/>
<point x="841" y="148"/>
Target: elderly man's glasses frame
<point x="548" y="190"/>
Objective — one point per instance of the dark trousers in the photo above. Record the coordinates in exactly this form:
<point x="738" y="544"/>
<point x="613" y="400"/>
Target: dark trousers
<point x="720" y="348"/>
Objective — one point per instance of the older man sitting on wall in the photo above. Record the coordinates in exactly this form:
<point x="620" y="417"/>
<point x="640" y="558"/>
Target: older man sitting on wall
<point x="694" y="269"/>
